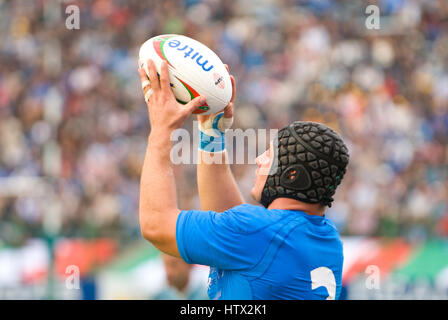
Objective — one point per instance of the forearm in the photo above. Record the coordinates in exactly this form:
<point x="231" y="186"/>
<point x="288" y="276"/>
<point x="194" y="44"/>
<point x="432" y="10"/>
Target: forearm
<point x="158" y="205"/>
<point x="158" y="210"/>
<point x="217" y="187"/>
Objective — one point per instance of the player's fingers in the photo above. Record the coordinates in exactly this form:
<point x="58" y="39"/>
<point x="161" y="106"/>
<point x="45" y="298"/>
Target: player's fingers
<point x="228" y="110"/>
<point x="146" y="85"/>
<point x="144" y="79"/>
<point x="226" y="121"/>
<point x="142" y="74"/>
<point x="165" y="78"/>
<point x="153" y="78"/>
<point x="194" y="104"/>
<point x="148" y="94"/>
<point x="232" y="79"/>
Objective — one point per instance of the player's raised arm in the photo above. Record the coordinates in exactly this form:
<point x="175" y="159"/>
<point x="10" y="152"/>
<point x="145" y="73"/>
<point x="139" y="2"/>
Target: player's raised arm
<point x="158" y="210"/>
<point x="217" y="188"/>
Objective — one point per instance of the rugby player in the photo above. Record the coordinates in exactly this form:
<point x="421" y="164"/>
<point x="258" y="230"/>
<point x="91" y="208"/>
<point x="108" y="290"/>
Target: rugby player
<point x="284" y="248"/>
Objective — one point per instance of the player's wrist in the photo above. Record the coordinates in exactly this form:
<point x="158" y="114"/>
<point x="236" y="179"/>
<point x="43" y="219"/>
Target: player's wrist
<point x="160" y="136"/>
<point x="212" y="135"/>
<point x="212" y="143"/>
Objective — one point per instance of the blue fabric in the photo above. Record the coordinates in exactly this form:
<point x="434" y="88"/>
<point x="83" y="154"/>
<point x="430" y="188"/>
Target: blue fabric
<point x="256" y="253"/>
<point x="213" y="143"/>
<point x="210" y="143"/>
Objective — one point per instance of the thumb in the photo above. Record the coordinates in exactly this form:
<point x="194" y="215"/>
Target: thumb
<point x="228" y="110"/>
<point x="195" y="103"/>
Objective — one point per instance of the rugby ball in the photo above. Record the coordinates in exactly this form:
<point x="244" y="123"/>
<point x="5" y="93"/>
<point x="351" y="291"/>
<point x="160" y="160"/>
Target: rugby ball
<point x="194" y="70"/>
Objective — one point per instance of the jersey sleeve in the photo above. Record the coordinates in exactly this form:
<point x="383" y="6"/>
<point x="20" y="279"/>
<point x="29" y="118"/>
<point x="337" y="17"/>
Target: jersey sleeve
<point x="223" y="240"/>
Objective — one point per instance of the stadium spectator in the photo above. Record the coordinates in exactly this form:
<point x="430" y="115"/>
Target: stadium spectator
<point x="72" y="112"/>
<point x="180" y="282"/>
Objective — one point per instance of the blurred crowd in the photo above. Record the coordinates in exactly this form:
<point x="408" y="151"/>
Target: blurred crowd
<point x="73" y="122"/>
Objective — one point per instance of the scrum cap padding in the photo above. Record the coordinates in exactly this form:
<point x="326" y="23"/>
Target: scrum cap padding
<point x="312" y="159"/>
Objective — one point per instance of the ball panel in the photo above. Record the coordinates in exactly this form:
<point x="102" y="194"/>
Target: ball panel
<point x="194" y="70"/>
<point x="200" y="67"/>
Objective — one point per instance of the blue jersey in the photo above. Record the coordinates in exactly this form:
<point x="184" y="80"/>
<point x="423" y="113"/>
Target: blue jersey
<point x="256" y="253"/>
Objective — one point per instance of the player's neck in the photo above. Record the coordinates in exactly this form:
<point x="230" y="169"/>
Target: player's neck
<point x="291" y="204"/>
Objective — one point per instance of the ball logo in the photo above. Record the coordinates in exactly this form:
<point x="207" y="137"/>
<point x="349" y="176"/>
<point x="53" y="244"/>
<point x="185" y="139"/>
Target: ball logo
<point x="194" y="70"/>
<point x="219" y="81"/>
<point x="189" y="52"/>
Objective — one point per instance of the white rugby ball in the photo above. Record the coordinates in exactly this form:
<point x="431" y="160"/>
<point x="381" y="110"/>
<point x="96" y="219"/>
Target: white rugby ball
<point x="194" y="70"/>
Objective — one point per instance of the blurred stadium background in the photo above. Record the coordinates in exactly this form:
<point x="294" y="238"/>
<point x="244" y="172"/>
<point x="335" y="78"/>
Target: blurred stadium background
<point x="73" y="129"/>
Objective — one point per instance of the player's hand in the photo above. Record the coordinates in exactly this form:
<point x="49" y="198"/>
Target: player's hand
<point x="165" y="113"/>
<point x="225" y="122"/>
<point x="212" y="128"/>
